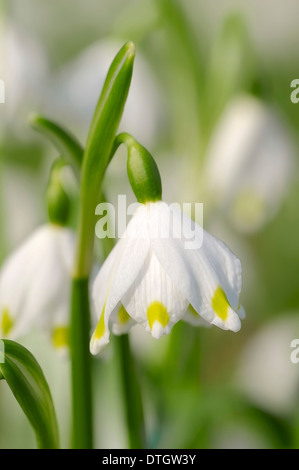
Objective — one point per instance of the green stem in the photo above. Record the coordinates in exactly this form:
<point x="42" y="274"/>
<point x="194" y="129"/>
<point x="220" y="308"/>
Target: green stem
<point x="98" y="148"/>
<point x="131" y="394"/>
<point x="81" y="366"/>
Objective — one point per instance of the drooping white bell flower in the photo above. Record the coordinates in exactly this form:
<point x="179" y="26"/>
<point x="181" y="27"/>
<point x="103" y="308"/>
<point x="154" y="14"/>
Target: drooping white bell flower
<point x="250" y="161"/>
<point x="35" y="285"/>
<point x="163" y="263"/>
<point x="35" y="279"/>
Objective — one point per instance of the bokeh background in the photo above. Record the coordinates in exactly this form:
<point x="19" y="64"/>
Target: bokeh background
<point x="210" y="98"/>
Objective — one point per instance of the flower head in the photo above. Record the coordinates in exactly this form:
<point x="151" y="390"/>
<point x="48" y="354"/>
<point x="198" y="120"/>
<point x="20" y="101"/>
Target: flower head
<point x="35" y="279"/>
<point x="154" y="273"/>
<point x="35" y="285"/>
<point x="250" y="162"/>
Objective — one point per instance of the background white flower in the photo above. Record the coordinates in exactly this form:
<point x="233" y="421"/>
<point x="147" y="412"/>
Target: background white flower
<point x="35" y="285"/>
<point x="250" y="162"/>
<point x="266" y="373"/>
<point x="74" y="90"/>
<point x="25" y="72"/>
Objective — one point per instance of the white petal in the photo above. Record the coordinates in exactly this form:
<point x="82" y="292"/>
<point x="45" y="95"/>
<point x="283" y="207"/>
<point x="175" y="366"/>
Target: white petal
<point x="201" y="272"/>
<point x="35" y="280"/>
<point x="154" y="300"/>
<point x="118" y="273"/>
<point x="194" y="319"/>
<point x="15" y="277"/>
<point x="241" y="312"/>
<point x="49" y="293"/>
<point x="120" y="320"/>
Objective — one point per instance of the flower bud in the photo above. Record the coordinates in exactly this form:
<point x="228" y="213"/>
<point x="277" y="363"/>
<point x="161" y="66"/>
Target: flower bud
<point x="142" y="170"/>
<point x="58" y="200"/>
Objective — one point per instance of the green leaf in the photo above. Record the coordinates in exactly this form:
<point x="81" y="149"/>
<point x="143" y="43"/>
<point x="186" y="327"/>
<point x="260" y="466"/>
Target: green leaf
<point x="108" y="113"/>
<point x="131" y="393"/>
<point x="63" y="140"/>
<point x="28" y="384"/>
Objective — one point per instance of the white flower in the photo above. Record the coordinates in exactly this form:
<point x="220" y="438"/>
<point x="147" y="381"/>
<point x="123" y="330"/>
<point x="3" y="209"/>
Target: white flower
<point x="266" y="373"/>
<point x="25" y="70"/>
<point x="250" y="162"/>
<point x="153" y="274"/>
<point x="35" y="285"/>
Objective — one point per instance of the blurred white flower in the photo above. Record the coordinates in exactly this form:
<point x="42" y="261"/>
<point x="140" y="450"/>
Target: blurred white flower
<point x="24" y="208"/>
<point x="25" y="72"/>
<point x="250" y="162"/>
<point x="152" y="275"/>
<point x="76" y="88"/>
<point x="35" y="285"/>
<point x="266" y="373"/>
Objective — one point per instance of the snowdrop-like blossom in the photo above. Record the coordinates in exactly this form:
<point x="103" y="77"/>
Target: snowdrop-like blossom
<point x="250" y="162"/>
<point x="35" y="285"/>
<point x="154" y="273"/>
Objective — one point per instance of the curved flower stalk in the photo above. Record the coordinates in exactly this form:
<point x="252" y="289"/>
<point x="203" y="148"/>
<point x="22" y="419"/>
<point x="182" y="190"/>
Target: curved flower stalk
<point x="155" y="272"/>
<point x="35" y="280"/>
<point x="249" y="163"/>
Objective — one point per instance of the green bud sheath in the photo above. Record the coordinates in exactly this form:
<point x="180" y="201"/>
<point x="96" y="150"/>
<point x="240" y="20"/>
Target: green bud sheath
<point x="143" y="174"/>
<point x="142" y="170"/>
<point x="57" y="198"/>
<point x="98" y="149"/>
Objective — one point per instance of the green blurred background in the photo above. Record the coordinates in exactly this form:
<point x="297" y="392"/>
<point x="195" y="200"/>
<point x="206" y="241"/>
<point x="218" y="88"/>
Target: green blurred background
<point x="210" y="98"/>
